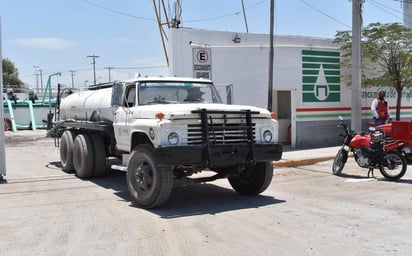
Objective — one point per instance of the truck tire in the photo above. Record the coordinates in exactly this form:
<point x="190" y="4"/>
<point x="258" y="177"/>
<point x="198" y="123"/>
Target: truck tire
<point x="83" y="156"/>
<point x="66" y="151"/>
<point x="149" y="184"/>
<point x="253" y="180"/>
<point x="99" y="149"/>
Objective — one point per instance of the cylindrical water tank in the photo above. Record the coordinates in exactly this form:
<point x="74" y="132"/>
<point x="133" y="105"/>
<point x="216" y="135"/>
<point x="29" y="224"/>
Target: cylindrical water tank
<point x="89" y="105"/>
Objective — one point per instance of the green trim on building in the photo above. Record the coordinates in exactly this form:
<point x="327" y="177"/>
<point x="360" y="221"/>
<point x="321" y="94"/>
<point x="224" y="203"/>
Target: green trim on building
<point x="323" y="53"/>
<point x="310" y="97"/>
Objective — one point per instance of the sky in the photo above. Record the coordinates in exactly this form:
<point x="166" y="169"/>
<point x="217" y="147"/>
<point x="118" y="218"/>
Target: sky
<point x="59" y="36"/>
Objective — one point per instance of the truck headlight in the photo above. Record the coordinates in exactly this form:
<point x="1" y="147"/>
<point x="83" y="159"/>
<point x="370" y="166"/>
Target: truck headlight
<point x="267" y="136"/>
<point x="173" y="138"/>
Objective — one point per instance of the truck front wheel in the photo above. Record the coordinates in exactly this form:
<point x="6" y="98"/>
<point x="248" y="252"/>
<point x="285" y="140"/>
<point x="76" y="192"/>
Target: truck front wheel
<point x="253" y="179"/>
<point x="149" y="184"/>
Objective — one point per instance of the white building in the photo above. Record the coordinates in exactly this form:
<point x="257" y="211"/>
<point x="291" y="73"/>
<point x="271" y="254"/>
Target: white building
<point x="308" y="92"/>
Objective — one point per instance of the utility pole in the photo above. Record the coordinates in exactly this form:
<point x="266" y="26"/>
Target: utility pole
<point x="41" y="79"/>
<point x="109" y="68"/>
<point x="270" y="84"/>
<point x="72" y="75"/>
<point x="356" y="65"/>
<point x="244" y="16"/>
<point x="37" y="77"/>
<point x="94" y="65"/>
<point x="2" y="136"/>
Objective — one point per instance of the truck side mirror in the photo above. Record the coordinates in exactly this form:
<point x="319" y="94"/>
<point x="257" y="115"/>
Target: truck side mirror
<point x="117" y="92"/>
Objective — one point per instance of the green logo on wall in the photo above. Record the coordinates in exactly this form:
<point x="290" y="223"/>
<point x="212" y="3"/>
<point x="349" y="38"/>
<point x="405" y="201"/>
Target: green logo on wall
<point x="320" y="76"/>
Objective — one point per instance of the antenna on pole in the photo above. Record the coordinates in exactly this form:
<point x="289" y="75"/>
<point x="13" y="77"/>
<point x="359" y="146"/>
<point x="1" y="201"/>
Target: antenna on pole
<point x="178" y="14"/>
<point x="163" y="21"/>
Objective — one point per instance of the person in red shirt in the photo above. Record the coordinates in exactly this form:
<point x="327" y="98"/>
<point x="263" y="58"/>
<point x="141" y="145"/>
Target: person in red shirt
<point x="380" y="109"/>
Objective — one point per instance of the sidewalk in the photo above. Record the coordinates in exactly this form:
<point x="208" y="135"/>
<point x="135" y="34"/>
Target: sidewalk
<point x="291" y="157"/>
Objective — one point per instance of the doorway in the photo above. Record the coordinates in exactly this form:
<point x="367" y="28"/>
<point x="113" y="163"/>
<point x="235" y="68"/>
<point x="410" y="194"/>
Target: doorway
<point x="283" y="106"/>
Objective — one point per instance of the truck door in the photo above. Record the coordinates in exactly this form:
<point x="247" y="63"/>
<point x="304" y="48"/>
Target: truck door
<point x="124" y="117"/>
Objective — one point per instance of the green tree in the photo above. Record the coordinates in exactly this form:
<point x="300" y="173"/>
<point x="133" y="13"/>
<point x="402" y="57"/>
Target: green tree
<point x="10" y="73"/>
<point x="386" y="56"/>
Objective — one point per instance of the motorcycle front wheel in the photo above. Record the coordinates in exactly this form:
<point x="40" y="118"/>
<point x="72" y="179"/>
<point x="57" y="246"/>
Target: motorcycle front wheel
<point x="339" y="162"/>
<point x="393" y="165"/>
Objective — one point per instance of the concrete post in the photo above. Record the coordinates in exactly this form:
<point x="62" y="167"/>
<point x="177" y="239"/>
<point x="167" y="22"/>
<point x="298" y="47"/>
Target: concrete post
<point x="2" y="140"/>
<point x="356" y="65"/>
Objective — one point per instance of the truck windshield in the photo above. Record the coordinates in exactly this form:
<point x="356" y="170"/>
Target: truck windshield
<point x="166" y="92"/>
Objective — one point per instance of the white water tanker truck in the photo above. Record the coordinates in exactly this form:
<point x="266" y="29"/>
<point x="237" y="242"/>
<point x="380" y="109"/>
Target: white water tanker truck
<point x="166" y="130"/>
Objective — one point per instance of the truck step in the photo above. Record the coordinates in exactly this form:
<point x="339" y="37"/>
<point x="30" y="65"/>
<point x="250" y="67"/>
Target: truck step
<point x="119" y="167"/>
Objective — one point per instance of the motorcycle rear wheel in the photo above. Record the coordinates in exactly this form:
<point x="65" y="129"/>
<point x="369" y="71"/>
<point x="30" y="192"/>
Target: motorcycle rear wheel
<point x="339" y="162"/>
<point x="393" y="165"/>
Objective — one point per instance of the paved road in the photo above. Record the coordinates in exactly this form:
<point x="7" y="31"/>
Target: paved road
<point x="305" y="211"/>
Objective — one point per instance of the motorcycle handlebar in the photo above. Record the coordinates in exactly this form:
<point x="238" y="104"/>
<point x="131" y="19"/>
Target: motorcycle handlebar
<point x="346" y="128"/>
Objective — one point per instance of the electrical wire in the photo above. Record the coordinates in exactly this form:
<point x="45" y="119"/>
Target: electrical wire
<point x="117" y="12"/>
<point x="379" y="6"/>
<point x="226" y="15"/>
<point x="324" y="13"/>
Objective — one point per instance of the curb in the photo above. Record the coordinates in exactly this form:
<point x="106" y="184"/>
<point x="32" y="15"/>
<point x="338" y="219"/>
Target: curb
<point x="24" y="136"/>
<point x="301" y="162"/>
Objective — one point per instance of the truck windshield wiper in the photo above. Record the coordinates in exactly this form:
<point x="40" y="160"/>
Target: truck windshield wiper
<point x="161" y="102"/>
<point x="193" y="100"/>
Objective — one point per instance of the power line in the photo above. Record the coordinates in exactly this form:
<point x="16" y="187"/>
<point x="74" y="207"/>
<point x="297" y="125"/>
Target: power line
<point x="144" y="67"/>
<point x="226" y="15"/>
<point x="378" y="5"/>
<point x="117" y="12"/>
<point x="324" y="13"/>
<point x="190" y="21"/>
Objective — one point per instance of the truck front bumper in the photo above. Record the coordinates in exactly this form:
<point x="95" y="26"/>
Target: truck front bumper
<point x="218" y="155"/>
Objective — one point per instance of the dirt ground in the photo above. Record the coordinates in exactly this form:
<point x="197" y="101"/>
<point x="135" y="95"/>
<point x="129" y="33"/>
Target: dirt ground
<point x="305" y="211"/>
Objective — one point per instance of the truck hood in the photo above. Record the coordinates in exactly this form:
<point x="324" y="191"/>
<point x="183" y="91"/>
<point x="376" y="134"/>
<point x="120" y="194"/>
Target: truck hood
<point x="177" y="111"/>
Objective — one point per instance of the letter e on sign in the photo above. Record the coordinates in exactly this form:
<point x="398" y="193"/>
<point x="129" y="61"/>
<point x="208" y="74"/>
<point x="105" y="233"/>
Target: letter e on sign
<point x="202" y="56"/>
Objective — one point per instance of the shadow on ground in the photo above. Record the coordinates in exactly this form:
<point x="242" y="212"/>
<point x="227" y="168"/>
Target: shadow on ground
<point x="187" y="200"/>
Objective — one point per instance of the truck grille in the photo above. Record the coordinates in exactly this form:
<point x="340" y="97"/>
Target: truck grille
<point x="220" y="133"/>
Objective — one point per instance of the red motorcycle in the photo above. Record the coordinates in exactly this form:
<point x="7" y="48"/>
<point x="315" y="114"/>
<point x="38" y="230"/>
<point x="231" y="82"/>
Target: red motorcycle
<point x="371" y="151"/>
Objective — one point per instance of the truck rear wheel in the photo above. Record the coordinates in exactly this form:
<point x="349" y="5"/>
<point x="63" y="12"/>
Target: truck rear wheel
<point x="83" y="156"/>
<point x="66" y="151"/>
<point x="252" y="180"/>
<point x="99" y="156"/>
<point x="149" y="184"/>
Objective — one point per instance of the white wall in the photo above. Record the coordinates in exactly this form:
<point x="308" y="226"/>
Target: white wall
<point x="244" y="64"/>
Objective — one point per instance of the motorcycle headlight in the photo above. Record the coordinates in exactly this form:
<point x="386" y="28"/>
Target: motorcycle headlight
<point x="267" y="136"/>
<point x="377" y="136"/>
<point x="173" y="138"/>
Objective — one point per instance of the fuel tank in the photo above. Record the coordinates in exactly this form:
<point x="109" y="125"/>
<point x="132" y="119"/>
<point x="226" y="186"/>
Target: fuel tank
<point x="387" y="128"/>
<point x="359" y="141"/>
<point x="88" y="105"/>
